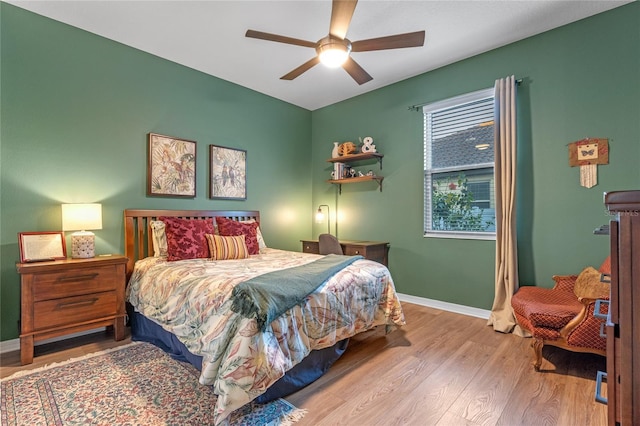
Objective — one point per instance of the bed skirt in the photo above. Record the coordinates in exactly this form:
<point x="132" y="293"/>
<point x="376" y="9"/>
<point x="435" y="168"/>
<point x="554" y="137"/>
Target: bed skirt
<point x="309" y="370"/>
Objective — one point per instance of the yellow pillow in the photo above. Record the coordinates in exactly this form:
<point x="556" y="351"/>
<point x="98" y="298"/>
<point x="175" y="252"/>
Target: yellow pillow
<point x="589" y="285"/>
<point x="226" y="248"/>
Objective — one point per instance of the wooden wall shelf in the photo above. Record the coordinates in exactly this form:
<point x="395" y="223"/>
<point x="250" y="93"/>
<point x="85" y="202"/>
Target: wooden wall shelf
<point x="357" y="179"/>
<point x="347" y="159"/>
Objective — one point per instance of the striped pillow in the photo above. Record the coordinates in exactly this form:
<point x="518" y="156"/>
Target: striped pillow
<point x="226" y="248"/>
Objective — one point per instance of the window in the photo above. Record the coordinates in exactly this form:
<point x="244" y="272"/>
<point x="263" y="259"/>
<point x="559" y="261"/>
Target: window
<point x="459" y="197"/>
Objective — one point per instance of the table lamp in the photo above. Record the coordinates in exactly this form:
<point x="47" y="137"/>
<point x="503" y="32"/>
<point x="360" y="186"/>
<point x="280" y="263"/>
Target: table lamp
<point x="82" y="218"/>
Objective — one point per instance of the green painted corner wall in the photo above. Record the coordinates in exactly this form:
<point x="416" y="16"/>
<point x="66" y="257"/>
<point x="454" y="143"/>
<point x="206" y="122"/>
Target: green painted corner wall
<point x="76" y="109"/>
<point x="580" y="80"/>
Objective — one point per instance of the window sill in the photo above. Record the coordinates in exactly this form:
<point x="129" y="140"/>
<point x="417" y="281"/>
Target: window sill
<point x="489" y="236"/>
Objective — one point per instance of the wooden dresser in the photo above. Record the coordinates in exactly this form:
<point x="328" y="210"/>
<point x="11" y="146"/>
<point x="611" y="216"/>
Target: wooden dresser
<point x="623" y="319"/>
<point x="67" y="296"/>
<point x="373" y="250"/>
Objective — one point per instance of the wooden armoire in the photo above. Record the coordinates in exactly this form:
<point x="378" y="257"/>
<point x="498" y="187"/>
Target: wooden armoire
<point x="623" y="319"/>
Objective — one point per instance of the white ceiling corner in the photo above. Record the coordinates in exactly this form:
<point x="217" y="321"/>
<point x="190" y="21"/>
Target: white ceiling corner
<point x="209" y="36"/>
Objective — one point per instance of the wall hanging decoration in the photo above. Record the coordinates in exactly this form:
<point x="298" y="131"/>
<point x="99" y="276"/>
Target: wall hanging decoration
<point x="587" y="154"/>
<point x="347" y="148"/>
<point x="171" y="167"/>
<point x="227" y="173"/>
<point x="367" y="144"/>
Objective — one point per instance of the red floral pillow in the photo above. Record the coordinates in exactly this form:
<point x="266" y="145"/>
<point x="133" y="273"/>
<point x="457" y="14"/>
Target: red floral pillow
<point x="186" y="237"/>
<point x="228" y="228"/>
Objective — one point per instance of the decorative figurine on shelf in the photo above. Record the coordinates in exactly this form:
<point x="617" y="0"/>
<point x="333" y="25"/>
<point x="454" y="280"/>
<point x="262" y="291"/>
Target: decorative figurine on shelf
<point x="352" y="172"/>
<point x="347" y="148"/>
<point x="370" y="173"/>
<point x="367" y="145"/>
<point x="360" y="174"/>
<point x="334" y="152"/>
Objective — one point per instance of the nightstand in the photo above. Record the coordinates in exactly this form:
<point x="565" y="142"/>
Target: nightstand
<point x="372" y="250"/>
<point x="66" y="296"/>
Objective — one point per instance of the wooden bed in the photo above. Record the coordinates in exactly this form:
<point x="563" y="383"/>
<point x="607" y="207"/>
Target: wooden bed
<point x="296" y="355"/>
<point x="137" y="238"/>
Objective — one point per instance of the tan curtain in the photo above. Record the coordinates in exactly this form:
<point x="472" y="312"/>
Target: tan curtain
<point x="506" y="283"/>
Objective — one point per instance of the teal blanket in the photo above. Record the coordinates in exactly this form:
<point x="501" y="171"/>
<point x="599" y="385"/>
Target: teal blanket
<point x="268" y="296"/>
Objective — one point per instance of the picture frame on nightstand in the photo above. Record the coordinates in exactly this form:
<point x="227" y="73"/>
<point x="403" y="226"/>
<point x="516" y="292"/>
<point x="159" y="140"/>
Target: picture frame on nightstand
<point x="41" y="246"/>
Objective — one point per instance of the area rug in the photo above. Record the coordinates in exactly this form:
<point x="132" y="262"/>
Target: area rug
<point x="135" y="384"/>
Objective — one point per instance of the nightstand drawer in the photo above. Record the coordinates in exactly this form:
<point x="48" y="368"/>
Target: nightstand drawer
<point x="52" y="313"/>
<point x="74" y="282"/>
<point x="70" y="295"/>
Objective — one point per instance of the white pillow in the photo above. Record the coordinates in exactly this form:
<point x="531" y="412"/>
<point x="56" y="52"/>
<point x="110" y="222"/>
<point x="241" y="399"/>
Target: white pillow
<point x="261" y="243"/>
<point x="158" y="238"/>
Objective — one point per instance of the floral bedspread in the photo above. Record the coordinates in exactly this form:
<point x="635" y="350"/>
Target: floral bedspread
<point x="191" y="299"/>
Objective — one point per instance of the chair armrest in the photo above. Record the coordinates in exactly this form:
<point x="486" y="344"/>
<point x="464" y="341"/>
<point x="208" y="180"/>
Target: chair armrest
<point x="585" y="315"/>
<point x="564" y="282"/>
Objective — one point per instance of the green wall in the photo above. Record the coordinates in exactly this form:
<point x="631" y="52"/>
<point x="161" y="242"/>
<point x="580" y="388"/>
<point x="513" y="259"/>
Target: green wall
<point x="76" y="109"/>
<point x="581" y="80"/>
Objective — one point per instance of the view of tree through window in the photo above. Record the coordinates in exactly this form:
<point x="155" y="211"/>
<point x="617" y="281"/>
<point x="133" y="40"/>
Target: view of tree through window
<point x="459" y="159"/>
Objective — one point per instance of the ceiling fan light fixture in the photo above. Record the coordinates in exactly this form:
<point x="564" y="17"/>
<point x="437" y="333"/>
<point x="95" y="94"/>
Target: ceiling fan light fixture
<point x="333" y="52"/>
<point x="334" y="49"/>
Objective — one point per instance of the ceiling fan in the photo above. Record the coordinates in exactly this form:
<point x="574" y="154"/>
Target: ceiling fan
<point x="334" y="49"/>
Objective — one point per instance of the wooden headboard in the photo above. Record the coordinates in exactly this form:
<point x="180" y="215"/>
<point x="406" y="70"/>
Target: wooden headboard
<point x="137" y="238"/>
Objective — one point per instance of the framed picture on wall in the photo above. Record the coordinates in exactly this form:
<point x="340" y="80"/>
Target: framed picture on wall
<point x="171" y="166"/>
<point x="227" y="173"/>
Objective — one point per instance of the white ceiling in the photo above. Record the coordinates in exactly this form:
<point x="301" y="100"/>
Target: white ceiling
<point x="209" y="36"/>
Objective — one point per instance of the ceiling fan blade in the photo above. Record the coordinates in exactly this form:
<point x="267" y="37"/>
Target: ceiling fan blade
<point x="302" y="68"/>
<point x="341" y="13"/>
<point x="278" y="38"/>
<point x="356" y="71"/>
<point x="398" y="41"/>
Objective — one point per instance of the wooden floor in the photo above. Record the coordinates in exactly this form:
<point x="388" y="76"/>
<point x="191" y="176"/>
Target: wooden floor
<point x="440" y="369"/>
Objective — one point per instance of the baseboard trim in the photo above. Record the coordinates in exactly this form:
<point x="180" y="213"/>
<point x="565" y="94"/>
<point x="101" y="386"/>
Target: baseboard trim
<point x="14" y="344"/>
<point x="445" y="306"/>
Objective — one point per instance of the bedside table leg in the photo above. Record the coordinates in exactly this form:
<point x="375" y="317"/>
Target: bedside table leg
<point x="118" y="328"/>
<point x="26" y="350"/>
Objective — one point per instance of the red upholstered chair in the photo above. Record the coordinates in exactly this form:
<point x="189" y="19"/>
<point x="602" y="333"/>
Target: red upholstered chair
<point x="563" y="316"/>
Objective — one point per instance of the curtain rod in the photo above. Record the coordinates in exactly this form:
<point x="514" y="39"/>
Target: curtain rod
<point x="418" y="106"/>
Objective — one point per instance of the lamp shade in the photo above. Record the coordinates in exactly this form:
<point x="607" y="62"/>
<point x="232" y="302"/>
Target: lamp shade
<point x="81" y="217"/>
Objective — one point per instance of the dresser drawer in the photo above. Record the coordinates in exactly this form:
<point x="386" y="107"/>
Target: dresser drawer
<point x="376" y="253"/>
<point x="354" y="250"/>
<point x="68" y="310"/>
<point x="74" y="282"/>
<point x="311" y="247"/>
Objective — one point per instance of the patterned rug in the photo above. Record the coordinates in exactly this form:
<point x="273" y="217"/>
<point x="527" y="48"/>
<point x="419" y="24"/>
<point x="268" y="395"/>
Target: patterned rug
<point x="135" y="384"/>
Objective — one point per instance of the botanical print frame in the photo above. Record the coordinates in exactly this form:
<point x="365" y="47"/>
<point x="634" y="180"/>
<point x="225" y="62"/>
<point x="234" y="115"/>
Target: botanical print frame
<point x="171" y="166"/>
<point x="41" y="246"/>
<point x="227" y="173"/>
